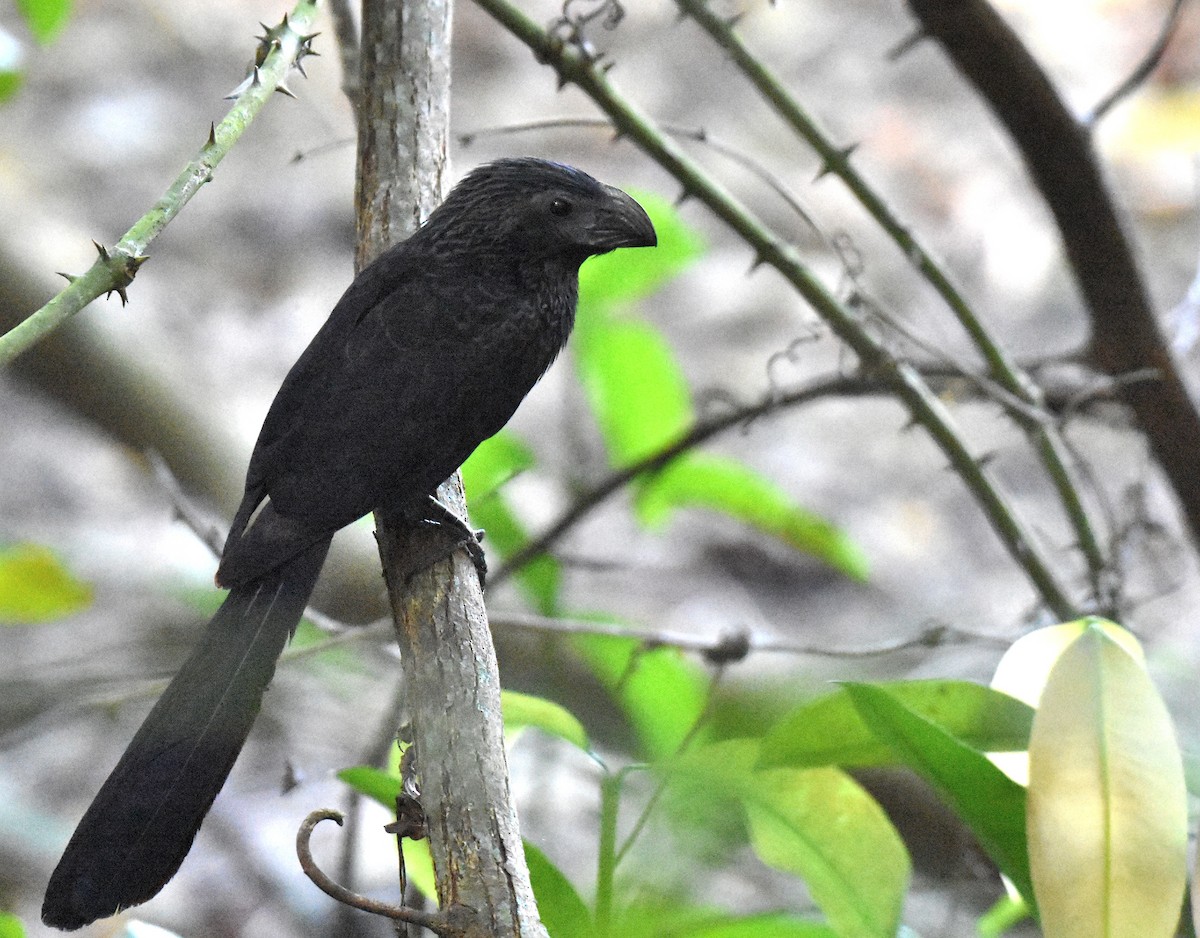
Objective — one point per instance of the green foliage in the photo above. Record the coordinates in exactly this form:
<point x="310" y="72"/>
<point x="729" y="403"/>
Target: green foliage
<point x="562" y="911"/>
<point x="661" y="692"/>
<point x="831" y="730"/>
<point x="642" y="404"/>
<point x="492" y="464"/>
<point x="990" y="803"/>
<point x="45" y="18"/>
<point x="36" y="587"/>
<point x="818" y="824"/>
<point x="522" y="710"/>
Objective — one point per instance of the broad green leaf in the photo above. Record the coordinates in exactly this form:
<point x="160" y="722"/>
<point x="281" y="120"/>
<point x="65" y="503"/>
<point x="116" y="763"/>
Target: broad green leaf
<point x="818" y="824"/>
<point x="764" y="926"/>
<point x="495" y="461"/>
<point x="631" y="275"/>
<point x="633" y="383"/>
<point x="10" y="926"/>
<point x="561" y="909"/>
<point x="987" y="800"/>
<point x="1107" y="802"/>
<point x="831" y="731"/>
<point x="645" y="920"/>
<point x="661" y="692"/>
<point x="521" y="710"/>
<point x="706" y="481"/>
<point x="46" y="18"/>
<point x="373" y="782"/>
<point x="36" y="587"/>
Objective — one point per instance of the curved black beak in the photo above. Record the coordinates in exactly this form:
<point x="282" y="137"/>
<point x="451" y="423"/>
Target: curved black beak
<point x="621" y="223"/>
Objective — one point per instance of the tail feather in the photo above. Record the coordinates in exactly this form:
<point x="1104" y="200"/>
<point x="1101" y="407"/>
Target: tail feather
<point x="140" y="826"/>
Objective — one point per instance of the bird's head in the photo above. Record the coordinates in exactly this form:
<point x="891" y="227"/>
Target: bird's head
<point x="540" y="210"/>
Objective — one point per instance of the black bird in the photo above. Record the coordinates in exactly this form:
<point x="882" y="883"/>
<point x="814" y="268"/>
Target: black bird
<point x="427" y="354"/>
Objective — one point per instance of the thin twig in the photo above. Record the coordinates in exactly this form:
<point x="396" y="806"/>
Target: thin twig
<point x="734" y="645"/>
<point x="1142" y="70"/>
<point x="279" y="52"/>
<point x="437" y="922"/>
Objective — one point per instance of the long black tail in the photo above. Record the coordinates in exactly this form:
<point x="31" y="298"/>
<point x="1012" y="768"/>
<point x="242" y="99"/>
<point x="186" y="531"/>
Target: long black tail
<point x="142" y="823"/>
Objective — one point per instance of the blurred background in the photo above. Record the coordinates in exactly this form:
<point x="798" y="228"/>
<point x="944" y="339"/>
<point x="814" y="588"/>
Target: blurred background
<point x="107" y="114"/>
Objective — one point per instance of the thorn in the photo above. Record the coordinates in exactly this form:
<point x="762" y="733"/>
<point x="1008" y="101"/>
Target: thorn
<point x="836" y="162"/>
<point x="212" y="135"/>
<point x="285" y="24"/>
<point x="284" y="89"/>
<point x="300" y="68"/>
<point x="137" y="262"/>
<point x="734" y="20"/>
<point x="241" y="87"/>
<point x="607" y="67"/>
<point x="306" y="40"/>
<point x="119" y="291"/>
<point x="759" y="260"/>
<point x="102" y="249"/>
<point x="255" y="78"/>
<point x="70" y="278"/>
<point x="683" y="196"/>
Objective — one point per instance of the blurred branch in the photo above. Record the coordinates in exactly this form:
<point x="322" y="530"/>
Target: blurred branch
<point x="279" y="51"/>
<point x="736" y="644"/>
<point x="1142" y="70"/>
<point x="1003" y="370"/>
<point x="1126" y="337"/>
<point x="574" y="65"/>
<point x="350" y="51"/>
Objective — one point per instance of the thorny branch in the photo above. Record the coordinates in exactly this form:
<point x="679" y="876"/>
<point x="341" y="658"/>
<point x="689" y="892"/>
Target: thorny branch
<point x="280" y="49"/>
<point x="575" y="66"/>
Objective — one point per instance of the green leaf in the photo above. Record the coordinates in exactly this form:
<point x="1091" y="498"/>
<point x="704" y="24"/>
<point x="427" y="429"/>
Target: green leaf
<point x="703" y="480"/>
<point x="561" y="909"/>
<point x="45" y="18"/>
<point x="540" y="579"/>
<point x="630" y="275"/>
<point x="770" y="925"/>
<point x="661" y="692"/>
<point x="373" y="782"/>
<point x="1004" y="914"/>
<point x="831" y="731"/>
<point x="818" y="824"/>
<point x="418" y="868"/>
<point x="1108" y="812"/>
<point x="633" y="383"/>
<point x="521" y="710"/>
<point x="36" y="587"/>
<point x="986" y="799"/>
<point x="11" y="926"/>
<point x="495" y="461"/>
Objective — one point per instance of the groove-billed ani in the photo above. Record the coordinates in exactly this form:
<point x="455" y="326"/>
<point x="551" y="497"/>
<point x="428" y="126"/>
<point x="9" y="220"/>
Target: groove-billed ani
<point x="426" y="355"/>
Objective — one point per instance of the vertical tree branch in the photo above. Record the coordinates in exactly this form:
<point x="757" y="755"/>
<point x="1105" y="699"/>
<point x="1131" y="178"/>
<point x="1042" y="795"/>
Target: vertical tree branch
<point x="453" y="688"/>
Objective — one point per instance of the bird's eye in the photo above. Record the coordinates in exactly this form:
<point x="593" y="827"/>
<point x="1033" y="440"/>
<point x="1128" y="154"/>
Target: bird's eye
<point x="560" y="207"/>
